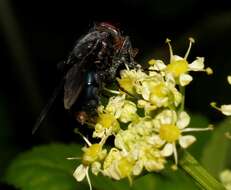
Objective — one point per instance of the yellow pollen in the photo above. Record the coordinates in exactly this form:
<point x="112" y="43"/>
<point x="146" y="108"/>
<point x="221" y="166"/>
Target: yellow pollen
<point x="106" y="120"/>
<point x="91" y="154"/>
<point x="126" y="84"/>
<point x="170" y="133"/>
<point x="209" y="71"/>
<point x="152" y="62"/>
<point x="125" y="167"/>
<point x="177" y="67"/>
<point x="158" y="90"/>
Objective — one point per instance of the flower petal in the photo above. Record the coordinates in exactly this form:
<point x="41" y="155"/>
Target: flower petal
<point x="229" y="79"/>
<point x="167" y="150"/>
<point x="197" y="65"/>
<point x="170" y="79"/>
<point x="185" y="79"/>
<point x="186" y="141"/>
<point x="96" y="168"/>
<point x="226" y="109"/>
<point x="155" y="140"/>
<point x="225" y="177"/>
<point x="80" y="172"/>
<point x="158" y="65"/>
<point x="177" y="58"/>
<point x="183" y="120"/>
<point x="167" y="117"/>
<point x="138" y="167"/>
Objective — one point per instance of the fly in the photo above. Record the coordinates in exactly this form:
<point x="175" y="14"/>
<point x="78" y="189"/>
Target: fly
<point x="95" y="60"/>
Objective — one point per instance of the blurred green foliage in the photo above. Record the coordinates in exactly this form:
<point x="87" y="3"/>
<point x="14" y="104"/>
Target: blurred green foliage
<point x="46" y="167"/>
<point x="217" y="152"/>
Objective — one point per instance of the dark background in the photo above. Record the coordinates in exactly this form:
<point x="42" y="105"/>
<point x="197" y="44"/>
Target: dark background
<point x="36" y="35"/>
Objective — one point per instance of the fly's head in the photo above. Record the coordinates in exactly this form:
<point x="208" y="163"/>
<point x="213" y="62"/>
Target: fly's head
<point x="122" y="52"/>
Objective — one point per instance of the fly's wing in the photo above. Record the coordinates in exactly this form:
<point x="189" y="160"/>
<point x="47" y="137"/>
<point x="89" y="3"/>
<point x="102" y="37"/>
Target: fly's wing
<point x="74" y="82"/>
<point x="74" y="79"/>
<point x="48" y="106"/>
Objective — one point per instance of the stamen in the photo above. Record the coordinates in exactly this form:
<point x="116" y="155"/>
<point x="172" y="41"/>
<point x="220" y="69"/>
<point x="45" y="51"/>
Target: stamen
<point x="127" y="68"/>
<point x="175" y="153"/>
<point x="73" y="158"/>
<point x="170" y="48"/>
<point x="90" y="124"/>
<point x="88" y="179"/>
<point x="191" y="41"/>
<point x="209" y="71"/>
<point x="210" y="127"/>
<point x="84" y="138"/>
<point x="214" y="105"/>
<point x="112" y="91"/>
<point x="174" y="167"/>
<point x="103" y="140"/>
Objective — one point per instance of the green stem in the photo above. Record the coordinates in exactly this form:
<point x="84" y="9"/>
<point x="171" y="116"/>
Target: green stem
<point x="190" y="165"/>
<point x="182" y="91"/>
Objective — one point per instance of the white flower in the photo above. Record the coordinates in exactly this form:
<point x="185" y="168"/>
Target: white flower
<point x="96" y="167"/>
<point x="185" y="79"/>
<point x="128" y="112"/>
<point x="157" y="92"/>
<point x="122" y="109"/>
<point x="225" y="177"/>
<point x="140" y="143"/>
<point x="142" y="131"/>
<point x="118" y="165"/>
<point x="109" y="168"/>
<point x="81" y="172"/>
<point x="156" y="65"/>
<point x="149" y="157"/>
<point x="114" y="105"/>
<point x="106" y="125"/>
<point x="91" y="157"/>
<point x="197" y="65"/>
<point x="225" y="109"/>
<point x="170" y="126"/>
<point x="179" y="66"/>
<point x="229" y="79"/>
<point x="129" y="78"/>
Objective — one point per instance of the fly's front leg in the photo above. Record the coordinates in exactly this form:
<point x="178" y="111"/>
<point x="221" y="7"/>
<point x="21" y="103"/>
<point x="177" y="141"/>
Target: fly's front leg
<point x="127" y="54"/>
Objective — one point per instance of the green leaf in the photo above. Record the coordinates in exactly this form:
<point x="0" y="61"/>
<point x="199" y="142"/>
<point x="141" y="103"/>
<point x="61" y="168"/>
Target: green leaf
<point x="175" y="180"/>
<point x="167" y="180"/>
<point x="217" y="153"/>
<point x="45" y="167"/>
<point x="204" y="179"/>
<point x="146" y="182"/>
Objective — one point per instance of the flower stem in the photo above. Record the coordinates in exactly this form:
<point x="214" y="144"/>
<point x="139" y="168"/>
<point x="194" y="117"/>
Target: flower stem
<point x="182" y="91"/>
<point x="205" y="181"/>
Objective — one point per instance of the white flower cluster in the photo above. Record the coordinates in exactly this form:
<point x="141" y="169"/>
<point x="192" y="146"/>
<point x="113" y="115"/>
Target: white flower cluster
<point x="225" y="177"/>
<point x="226" y="108"/>
<point x="146" y="118"/>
